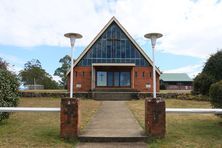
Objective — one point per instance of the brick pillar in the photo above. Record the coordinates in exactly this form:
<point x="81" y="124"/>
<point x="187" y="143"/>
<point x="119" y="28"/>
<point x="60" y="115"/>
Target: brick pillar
<point x="132" y="77"/>
<point x="69" y="118"/>
<point x="155" y="117"/>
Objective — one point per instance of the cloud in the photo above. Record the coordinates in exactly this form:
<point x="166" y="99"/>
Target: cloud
<point x="15" y="63"/>
<point x="56" y="78"/>
<point x="192" y="28"/>
<point x="189" y="28"/>
<point x="44" y="22"/>
<point x="191" y="70"/>
<point x="14" y="68"/>
<point x="11" y="58"/>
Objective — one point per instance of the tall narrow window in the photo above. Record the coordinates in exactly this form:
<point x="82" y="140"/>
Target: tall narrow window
<point x="113" y="47"/>
<point x="124" y="78"/>
<point x="143" y="74"/>
<point x="150" y="74"/>
<point x="135" y="74"/>
<point x="101" y="78"/>
<point x="83" y="74"/>
<point x="116" y="78"/>
<point x="76" y="73"/>
<point x="110" y="78"/>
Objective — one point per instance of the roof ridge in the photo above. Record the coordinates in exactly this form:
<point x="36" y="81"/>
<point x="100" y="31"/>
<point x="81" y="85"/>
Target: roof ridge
<point x="113" y="19"/>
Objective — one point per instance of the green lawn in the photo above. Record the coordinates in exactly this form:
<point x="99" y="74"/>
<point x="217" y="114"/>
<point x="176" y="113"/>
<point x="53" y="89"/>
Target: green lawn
<point x="185" y="130"/>
<point x="31" y="129"/>
<point x="46" y="91"/>
<point x="35" y="129"/>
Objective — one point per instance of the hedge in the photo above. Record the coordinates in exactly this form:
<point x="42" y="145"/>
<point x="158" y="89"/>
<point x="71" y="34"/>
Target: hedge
<point x="8" y="91"/>
<point x="216" y="94"/>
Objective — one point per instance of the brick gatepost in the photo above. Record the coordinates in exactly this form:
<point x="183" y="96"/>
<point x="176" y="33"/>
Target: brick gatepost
<point x="69" y="118"/>
<point x="155" y="117"/>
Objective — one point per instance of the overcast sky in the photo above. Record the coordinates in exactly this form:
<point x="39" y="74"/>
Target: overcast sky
<point x="30" y="29"/>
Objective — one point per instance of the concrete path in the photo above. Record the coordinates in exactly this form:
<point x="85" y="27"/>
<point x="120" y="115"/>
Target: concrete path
<point x="113" y="120"/>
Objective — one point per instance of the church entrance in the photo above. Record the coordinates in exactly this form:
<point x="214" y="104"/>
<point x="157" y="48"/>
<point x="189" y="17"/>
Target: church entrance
<point x="113" y="76"/>
<point x="113" y="79"/>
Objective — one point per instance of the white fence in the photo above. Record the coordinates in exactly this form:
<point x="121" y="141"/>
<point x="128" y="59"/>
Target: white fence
<point x="168" y="110"/>
<point x="194" y="110"/>
<point x="28" y="109"/>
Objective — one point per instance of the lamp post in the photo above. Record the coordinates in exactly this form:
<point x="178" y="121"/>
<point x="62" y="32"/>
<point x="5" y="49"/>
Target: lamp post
<point x="153" y="37"/>
<point x="73" y="37"/>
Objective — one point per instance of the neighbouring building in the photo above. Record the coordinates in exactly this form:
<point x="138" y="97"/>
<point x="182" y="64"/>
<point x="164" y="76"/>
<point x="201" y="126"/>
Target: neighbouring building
<point x="175" y="81"/>
<point x="113" y="60"/>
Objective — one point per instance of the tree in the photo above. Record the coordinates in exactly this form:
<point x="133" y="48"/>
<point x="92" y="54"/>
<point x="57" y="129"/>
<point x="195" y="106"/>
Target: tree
<point x="201" y="83"/>
<point x="211" y="73"/>
<point x="3" y="64"/>
<point x="33" y="73"/>
<point x="213" y="66"/>
<point x="61" y="71"/>
<point x="8" y="88"/>
<point x="216" y="94"/>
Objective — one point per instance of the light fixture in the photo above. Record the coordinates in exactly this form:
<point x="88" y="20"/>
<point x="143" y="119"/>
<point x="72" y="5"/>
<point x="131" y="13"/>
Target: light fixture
<point x="153" y="37"/>
<point x="73" y="37"/>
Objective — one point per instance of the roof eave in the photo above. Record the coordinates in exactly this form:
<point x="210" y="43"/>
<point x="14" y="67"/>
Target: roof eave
<point x="127" y="34"/>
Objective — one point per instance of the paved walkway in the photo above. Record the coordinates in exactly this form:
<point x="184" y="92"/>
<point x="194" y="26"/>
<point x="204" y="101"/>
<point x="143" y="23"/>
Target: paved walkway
<point x="113" y="119"/>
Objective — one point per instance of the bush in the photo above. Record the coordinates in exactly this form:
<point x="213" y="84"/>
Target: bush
<point x="201" y="84"/>
<point x="162" y="86"/>
<point x="216" y="94"/>
<point x="211" y="73"/>
<point x="8" y="91"/>
<point x="213" y="66"/>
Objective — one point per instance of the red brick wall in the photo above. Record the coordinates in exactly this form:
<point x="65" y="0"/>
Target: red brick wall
<point x="69" y="118"/>
<point x="84" y="80"/>
<point x="155" y="118"/>
<point x="139" y="81"/>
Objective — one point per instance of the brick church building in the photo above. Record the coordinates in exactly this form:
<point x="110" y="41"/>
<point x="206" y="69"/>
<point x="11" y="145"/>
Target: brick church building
<point x="113" y="60"/>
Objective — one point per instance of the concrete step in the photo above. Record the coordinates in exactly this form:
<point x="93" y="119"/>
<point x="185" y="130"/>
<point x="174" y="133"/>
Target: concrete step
<point x="114" y="95"/>
<point x="115" y="90"/>
<point x="112" y="139"/>
<point x="112" y="145"/>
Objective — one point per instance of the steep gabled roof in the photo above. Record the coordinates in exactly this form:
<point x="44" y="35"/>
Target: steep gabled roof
<point x="113" y="19"/>
<point x="175" y="77"/>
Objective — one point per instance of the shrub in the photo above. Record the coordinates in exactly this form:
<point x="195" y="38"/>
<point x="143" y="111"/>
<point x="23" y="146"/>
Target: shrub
<point x="216" y="94"/>
<point x="213" y="66"/>
<point x="201" y="84"/>
<point x="211" y="73"/>
<point x="162" y="86"/>
<point x="8" y="91"/>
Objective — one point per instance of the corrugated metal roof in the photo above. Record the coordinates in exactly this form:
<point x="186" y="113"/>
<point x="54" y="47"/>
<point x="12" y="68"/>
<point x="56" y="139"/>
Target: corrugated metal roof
<point x="175" y="77"/>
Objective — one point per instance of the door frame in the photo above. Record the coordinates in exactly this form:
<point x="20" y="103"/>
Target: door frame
<point x="113" y="86"/>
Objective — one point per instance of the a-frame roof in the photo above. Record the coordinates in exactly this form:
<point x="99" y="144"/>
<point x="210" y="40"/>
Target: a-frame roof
<point x="113" y="19"/>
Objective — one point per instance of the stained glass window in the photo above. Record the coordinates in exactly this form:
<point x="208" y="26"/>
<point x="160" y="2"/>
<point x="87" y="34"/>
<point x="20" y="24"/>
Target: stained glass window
<point x="113" y="47"/>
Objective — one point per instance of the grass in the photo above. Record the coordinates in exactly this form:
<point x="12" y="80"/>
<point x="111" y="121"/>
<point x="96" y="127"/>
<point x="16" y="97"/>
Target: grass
<point x="36" y="129"/>
<point x="185" y="130"/>
<point x="46" y="91"/>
